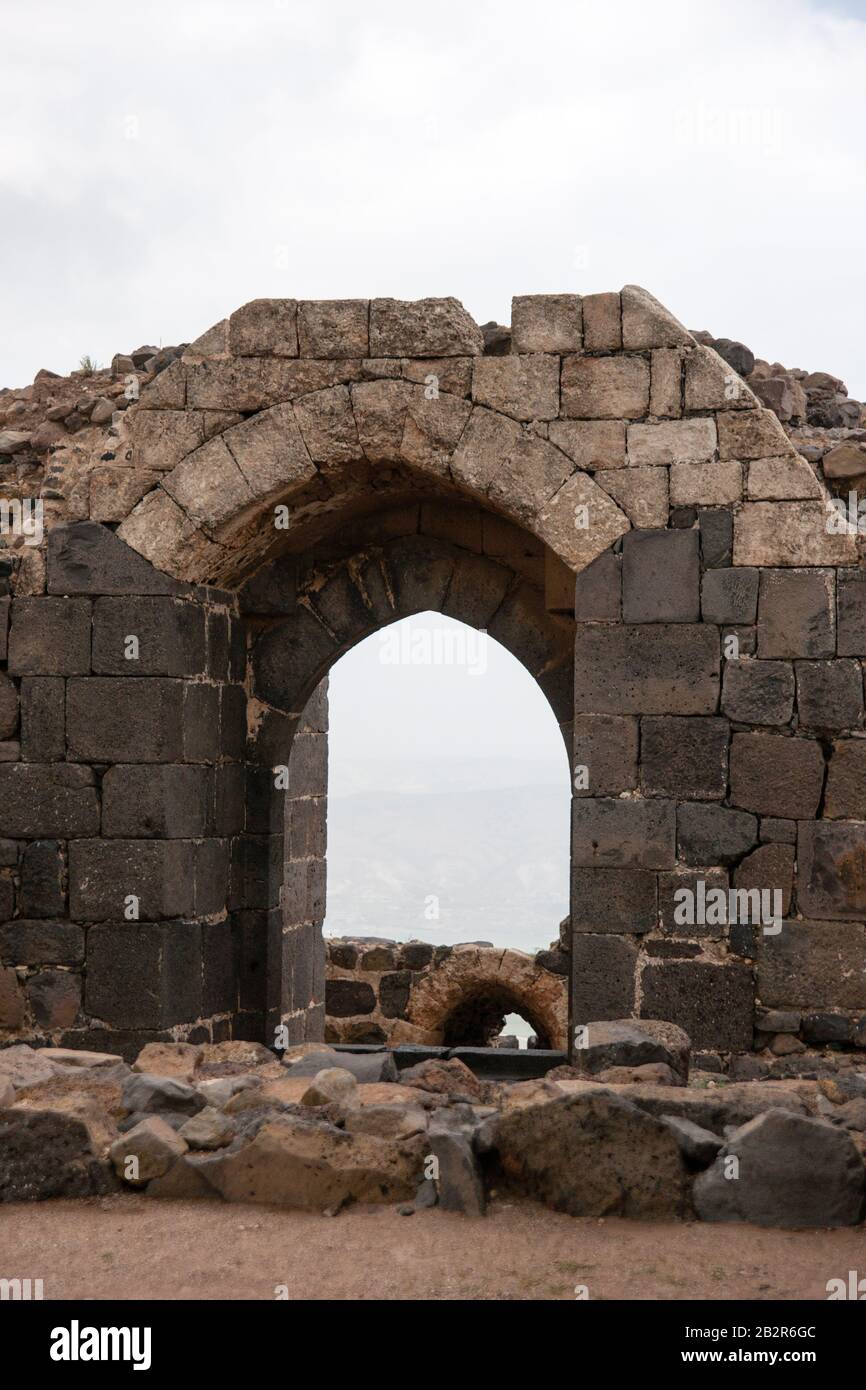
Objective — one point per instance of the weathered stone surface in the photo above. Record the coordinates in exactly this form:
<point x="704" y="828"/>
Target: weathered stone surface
<point x="598" y="388"/>
<point x="423" y="328"/>
<point x="684" y="758"/>
<point x="666" y="382"/>
<point x="580" y="521"/>
<point x="85" y="558"/>
<point x="161" y="438"/>
<point x="327" y="425"/>
<point x="851" y="611"/>
<point x="845" y="795"/>
<point x="632" y="1043"/>
<point x="458" y="1183"/>
<point x="525" y="387"/>
<point x="177" y="1060"/>
<point x="698" y="1146"/>
<point x="146" y="1151"/>
<point x="367" y="1068"/>
<point x="751" y="434"/>
<point x="314" y="1166"/>
<point x="795" y="614"/>
<point x="729" y="595"/>
<point x="591" y="444"/>
<point x="671" y="885"/>
<point x="613" y="900"/>
<point x="776" y="776"/>
<point x="25" y="1066"/>
<point x="607" y="747"/>
<point x="344" y="998"/>
<point x="661" y="577"/>
<point x="209" y="1129"/>
<point x="712" y="384"/>
<point x="845" y="460"/>
<point x="149" y="1092"/>
<point x="769" y="867"/>
<point x="333" y="328"/>
<point x="813" y="964"/>
<point x="779" y="1155"/>
<point x="602" y="322"/>
<point x="789" y="533"/>
<point x="714" y="834"/>
<point x="620" y="833"/>
<point x="265" y="327"/>
<point x="673" y="441"/>
<point x="646" y="669"/>
<point x="593" y="1155"/>
<point x="781" y="478"/>
<point x="830" y="694"/>
<point x="710" y="484"/>
<point x="48" y="1153"/>
<point x="712" y="1002"/>
<point x="47" y="801"/>
<point x="648" y="324"/>
<point x="603" y="977"/>
<point x="50" y="636"/>
<point x="641" y="492"/>
<point x="831" y="869"/>
<point x="332" y="1086"/>
<point x="546" y="323"/>
<point x="598" y="590"/>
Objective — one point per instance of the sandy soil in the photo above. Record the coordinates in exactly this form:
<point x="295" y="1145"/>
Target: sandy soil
<point x="130" y="1247"/>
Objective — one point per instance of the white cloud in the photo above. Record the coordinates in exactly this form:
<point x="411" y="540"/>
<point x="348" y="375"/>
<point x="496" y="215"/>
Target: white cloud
<point x="712" y="152"/>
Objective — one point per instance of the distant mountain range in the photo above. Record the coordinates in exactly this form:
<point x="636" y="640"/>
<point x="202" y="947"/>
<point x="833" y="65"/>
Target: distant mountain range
<point x="483" y="841"/>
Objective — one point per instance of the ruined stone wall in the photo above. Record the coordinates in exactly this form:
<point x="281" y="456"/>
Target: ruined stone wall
<point x="415" y="992"/>
<point x="606" y="497"/>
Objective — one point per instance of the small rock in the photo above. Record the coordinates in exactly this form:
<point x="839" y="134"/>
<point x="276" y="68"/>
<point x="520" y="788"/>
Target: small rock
<point x="150" y="1093"/>
<point x="447" y="1078"/>
<point x="698" y="1146"/>
<point x="153" y="1145"/>
<point x="102" y="411"/>
<point x="209" y="1129"/>
<point x="364" y="1066"/>
<point x="458" y="1185"/>
<point x="169" y="1059"/>
<point x="13" y="441"/>
<point x="25" y="1066"/>
<point x="387" y="1121"/>
<point x="333" y="1086"/>
<point x="219" y="1091"/>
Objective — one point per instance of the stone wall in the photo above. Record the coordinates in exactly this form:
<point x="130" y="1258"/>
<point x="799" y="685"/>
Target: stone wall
<point x="381" y="991"/>
<point x="606" y="497"/>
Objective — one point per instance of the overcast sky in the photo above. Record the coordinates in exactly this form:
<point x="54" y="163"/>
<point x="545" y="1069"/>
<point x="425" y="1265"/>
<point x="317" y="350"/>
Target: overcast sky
<point x="163" y="163"/>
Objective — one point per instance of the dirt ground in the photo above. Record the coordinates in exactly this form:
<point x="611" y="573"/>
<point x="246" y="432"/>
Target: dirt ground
<point x="130" y="1247"/>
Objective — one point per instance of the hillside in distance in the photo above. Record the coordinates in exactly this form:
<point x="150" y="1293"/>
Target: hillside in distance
<point x="483" y="842"/>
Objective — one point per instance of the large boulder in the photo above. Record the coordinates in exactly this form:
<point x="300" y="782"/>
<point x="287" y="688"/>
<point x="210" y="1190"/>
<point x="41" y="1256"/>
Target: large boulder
<point x="790" y="1171"/>
<point x="632" y="1043"/>
<point x="144" y="1092"/>
<point x="50" y="1153"/>
<point x="592" y="1154"/>
<point x="294" y="1162"/>
<point x="449" y="1077"/>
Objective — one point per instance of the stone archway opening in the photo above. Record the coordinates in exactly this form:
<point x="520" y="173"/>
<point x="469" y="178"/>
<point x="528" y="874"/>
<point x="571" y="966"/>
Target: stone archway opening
<point x="483" y="1015"/>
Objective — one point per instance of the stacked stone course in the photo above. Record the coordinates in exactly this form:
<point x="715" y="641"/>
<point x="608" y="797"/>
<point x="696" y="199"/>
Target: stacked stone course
<point x="608" y="498"/>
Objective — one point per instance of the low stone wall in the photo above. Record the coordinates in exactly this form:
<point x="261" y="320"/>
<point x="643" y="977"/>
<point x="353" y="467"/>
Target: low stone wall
<point x="379" y="991"/>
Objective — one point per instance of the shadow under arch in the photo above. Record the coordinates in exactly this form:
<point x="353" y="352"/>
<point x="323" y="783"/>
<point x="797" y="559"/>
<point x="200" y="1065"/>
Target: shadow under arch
<point x="303" y="613"/>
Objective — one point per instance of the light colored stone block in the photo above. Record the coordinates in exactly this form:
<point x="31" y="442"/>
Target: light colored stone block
<point x="546" y="323"/>
<point x="161" y="438"/>
<point x="666" y="382"/>
<point x="789" y="533"/>
<point x="602" y="323"/>
<point x="751" y="434"/>
<point x="525" y="387"/>
<point x="208" y="486"/>
<point x="265" y="328"/>
<point x="641" y="492"/>
<point x="380" y="416"/>
<point x="714" y="484"/>
<point x="648" y="324"/>
<point x="710" y="384"/>
<point x="432" y="429"/>
<point x="115" y="491"/>
<point x="423" y="328"/>
<point x="604" y="388"/>
<point x="673" y="441"/>
<point x="781" y="478"/>
<point x="487" y="440"/>
<point x="561" y="524"/>
<point x="327" y="423"/>
<point x="162" y="532"/>
<point x="269" y="451"/>
<point x="334" y="327"/>
<point x="591" y="443"/>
